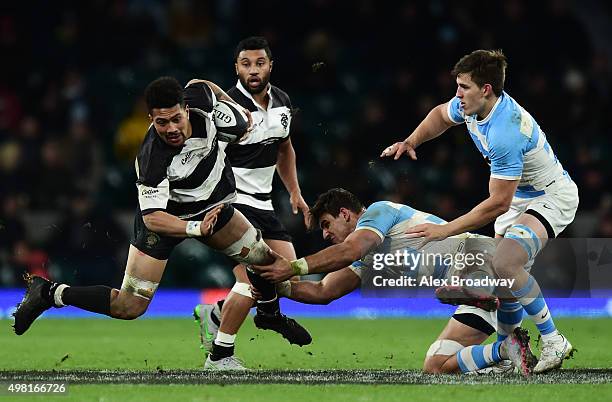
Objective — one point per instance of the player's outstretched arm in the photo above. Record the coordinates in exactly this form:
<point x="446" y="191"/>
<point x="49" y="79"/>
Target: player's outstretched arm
<point x="221" y="95"/>
<point x="498" y="202"/>
<point x="434" y="124"/>
<point x="169" y="225"/>
<point x="332" y="287"/>
<point x="331" y="259"/>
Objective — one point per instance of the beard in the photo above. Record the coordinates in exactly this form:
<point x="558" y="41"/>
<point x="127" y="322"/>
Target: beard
<point x="263" y="84"/>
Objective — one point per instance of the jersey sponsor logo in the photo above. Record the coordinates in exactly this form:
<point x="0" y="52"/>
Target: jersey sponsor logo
<point x="149" y="192"/>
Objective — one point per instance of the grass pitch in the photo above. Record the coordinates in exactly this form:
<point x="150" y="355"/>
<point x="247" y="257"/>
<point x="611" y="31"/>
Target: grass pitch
<point x="356" y="360"/>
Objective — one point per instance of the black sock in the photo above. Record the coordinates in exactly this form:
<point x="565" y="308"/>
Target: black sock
<point x="91" y="298"/>
<point x="269" y="300"/>
<point x="219" y="352"/>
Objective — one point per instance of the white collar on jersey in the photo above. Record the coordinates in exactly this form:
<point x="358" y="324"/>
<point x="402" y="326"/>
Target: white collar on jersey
<point x="486" y="119"/>
<point x="248" y="94"/>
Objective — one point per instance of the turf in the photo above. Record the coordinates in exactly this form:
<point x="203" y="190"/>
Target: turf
<point x="151" y="351"/>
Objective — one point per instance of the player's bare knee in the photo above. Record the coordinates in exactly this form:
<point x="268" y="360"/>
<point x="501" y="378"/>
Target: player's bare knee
<point x="434" y="364"/>
<point x="134" y="297"/>
<point x="505" y="266"/>
<point x="128" y="307"/>
<point x="438" y="354"/>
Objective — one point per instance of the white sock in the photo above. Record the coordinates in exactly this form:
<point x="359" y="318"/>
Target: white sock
<point x="547" y="337"/>
<point x="57" y="295"/>
<point x="225" y="340"/>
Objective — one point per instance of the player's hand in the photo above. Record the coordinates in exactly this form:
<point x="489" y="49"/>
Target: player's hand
<point x="250" y="118"/>
<point x="298" y="203"/>
<point x="428" y="231"/>
<point x="398" y="149"/>
<point x="210" y="220"/>
<point x="255" y="293"/>
<point x="278" y="271"/>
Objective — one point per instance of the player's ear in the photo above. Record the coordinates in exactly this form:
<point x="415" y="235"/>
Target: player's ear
<point x="345" y="214"/>
<point x="487" y="89"/>
<point x="236" y="68"/>
<point x="150" y="117"/>
<point x="271" y="64"/>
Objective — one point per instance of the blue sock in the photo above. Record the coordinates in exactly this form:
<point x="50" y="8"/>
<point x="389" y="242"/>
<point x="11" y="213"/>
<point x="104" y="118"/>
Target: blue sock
<point x="530" y="297"/>
<point x="509" y="317"/>
<point x="476" y="357"/>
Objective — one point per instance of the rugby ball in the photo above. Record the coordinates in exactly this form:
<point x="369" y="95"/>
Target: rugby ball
<point x="230" y="120"/>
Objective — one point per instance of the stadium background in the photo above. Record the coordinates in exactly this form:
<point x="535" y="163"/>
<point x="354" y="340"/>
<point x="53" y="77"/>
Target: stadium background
<point x="362" y="76"/>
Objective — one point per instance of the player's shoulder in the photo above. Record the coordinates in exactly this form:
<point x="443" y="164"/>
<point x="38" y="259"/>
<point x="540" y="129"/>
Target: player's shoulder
<point x="153" y="158"/>
<point x="381" y="209"/>
<point x="511" y="125"/>
<point x="240" y="98"/>
<point x="279" y="97"/>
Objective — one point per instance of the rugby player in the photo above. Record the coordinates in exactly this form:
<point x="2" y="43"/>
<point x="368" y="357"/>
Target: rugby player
<point x="358" y="235"/>
<point x="185" y="189"/>
<point x="531" y="197"/>
<point x="254" y="160"/>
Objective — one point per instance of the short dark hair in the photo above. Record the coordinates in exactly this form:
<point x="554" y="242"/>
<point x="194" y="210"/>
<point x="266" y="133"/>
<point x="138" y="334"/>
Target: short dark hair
<point x="331" y="201"/>
<point x="164" y="92"/>
<point x="253" y="43"/>
<point x="484" y="67"/>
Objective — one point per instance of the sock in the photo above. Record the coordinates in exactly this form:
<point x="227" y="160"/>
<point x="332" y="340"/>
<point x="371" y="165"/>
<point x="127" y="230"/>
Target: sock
<point x="530" y="297"/>
<point x="269" y="300"/>
<point x="220" y="304"/>
<point x="477" y="357"/>
<point x="91" y="298"/>
<point x="223" y="346"/>
<point x="509" y="317"/>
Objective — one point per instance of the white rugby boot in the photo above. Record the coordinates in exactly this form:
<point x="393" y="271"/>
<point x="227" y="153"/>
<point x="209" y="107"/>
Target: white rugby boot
<point x="227" y="363"/>
<point x="503" y="367"/>
<point x="554" y="351"/>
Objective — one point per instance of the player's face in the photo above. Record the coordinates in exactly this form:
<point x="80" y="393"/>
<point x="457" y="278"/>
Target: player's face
<point x="471" y="95"/>
<point x="253" y="68"/>
<point x="171" y="124"/>
<point x="336" y="229"/>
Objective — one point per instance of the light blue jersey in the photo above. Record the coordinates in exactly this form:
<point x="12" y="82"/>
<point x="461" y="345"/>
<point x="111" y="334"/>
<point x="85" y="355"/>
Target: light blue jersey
<point x="390" y="222"/>
<point x="514" y="145"/>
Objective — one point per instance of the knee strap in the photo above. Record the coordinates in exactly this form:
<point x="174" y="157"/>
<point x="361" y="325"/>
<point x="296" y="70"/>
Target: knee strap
<point x="526" y="238"/>
<point x="445" y="347"/>
<point x="139" y="287"/>
<point x="249" y="249"/>
<point x="243" y="289"/>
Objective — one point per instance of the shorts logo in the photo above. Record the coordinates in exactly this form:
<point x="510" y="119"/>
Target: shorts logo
<point x="546" y="206"/>
<point x="152" y="239"/>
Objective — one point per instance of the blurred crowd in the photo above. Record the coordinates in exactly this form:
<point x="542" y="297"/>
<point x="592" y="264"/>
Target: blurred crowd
<point x="361" y="75"/>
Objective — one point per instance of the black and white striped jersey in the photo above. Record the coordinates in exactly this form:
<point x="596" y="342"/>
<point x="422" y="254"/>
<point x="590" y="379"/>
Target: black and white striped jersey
<point x="254" y="158"/>
<point x="189" y="180"/>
